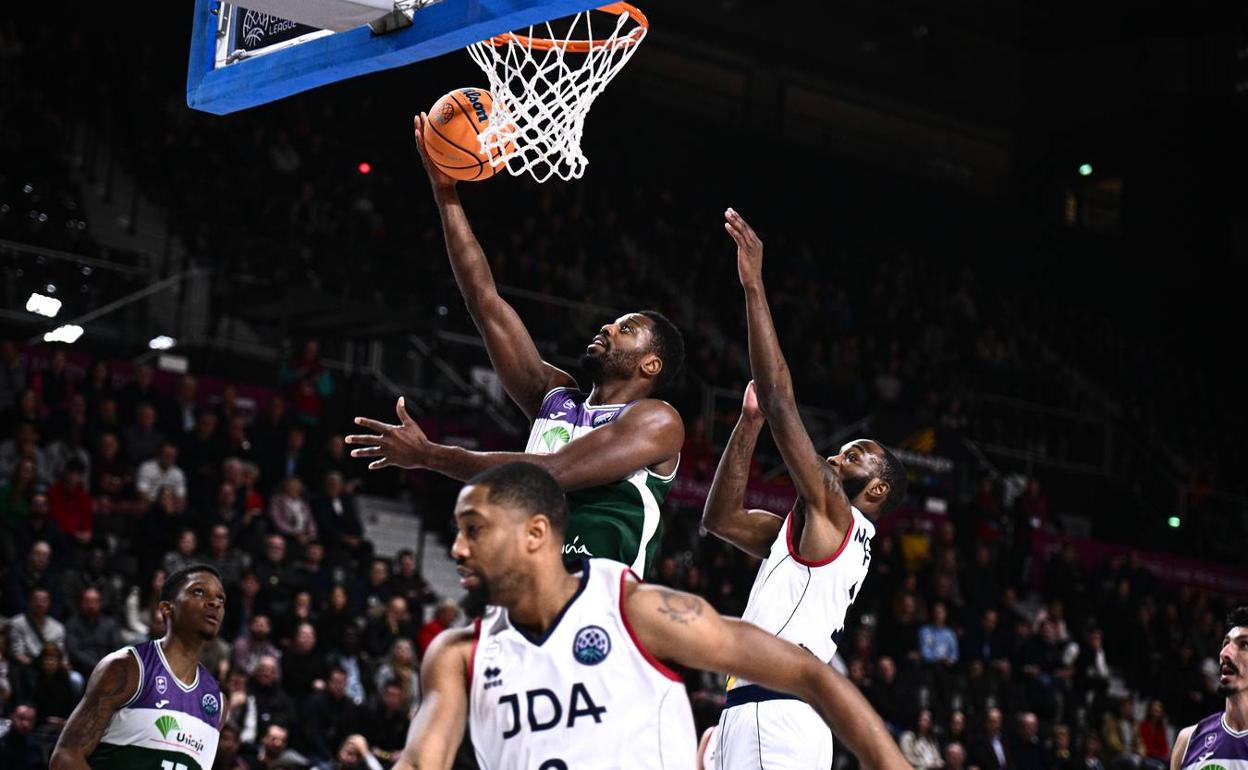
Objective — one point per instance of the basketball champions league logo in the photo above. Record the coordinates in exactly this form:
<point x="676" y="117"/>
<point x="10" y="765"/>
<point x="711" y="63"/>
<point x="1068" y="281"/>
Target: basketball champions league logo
<point x="257" y="26"/>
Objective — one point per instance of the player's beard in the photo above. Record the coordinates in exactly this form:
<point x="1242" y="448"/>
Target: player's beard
<point x="854" y="486"/>
<point x="609" y="365"/>
<point x="475" y="601"/>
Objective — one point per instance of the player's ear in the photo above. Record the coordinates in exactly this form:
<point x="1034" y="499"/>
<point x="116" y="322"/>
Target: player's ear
<point x="877" y="490"/>
<point x="537" y="532"/>
<point x="165" y="609"/>
<point x="651" y="365"/>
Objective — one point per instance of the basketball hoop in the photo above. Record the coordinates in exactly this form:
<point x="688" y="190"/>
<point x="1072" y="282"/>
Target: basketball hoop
<point x="544" y="83"/>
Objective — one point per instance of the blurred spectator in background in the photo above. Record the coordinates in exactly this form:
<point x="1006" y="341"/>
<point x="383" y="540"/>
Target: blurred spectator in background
<point x="228" y="745"/>
<point x="12" y="380"/>
<point x="266" y="703"/>
<point x="90" y="635"/>
<point x="178" y="414"/>
<point x="20" y="749"/>
<point x="443" y="618"/>
<point x="141" y="390"/>
<point x="393" y="624"/>
<point x="1153" y="738"/>
<point x="338" y="522"/>
<point x="254" y="646"/>
<point x="987" y="750"/>
<point x="70" y="505"/>
<point x="141" y="607"/>
<point x="328" y="716"/>
<point x="387" y="722"/>
<point x="401" y="667"/>
<point x="407" y="582"/>
<point x="143" y="439"/>
<point x="290" y="514"/>
<point x="275" y="751"/>
<point x="918" y="745"/>
<point x="355" y="754"/>
<point x="304" y="668"/>
<point x="162" y="472"/>
<point x="34" y="629"/>
<point x="183" y="553"/>
<point x="307" y="383"/>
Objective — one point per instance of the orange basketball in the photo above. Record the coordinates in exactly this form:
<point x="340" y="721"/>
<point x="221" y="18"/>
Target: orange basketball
<point x="450" y="134"/>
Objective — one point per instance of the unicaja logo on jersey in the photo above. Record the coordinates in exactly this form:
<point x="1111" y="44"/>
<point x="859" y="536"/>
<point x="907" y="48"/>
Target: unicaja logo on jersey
<point x="556" y="436"/>
<point x="591" y="645"/>
<point x="162" y="684"/>
<point x="209" y="704"/>
<point x="166" y="724"/>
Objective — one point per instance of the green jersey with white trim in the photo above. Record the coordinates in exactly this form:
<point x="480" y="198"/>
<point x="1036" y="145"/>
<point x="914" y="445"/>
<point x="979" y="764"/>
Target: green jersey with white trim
<point x="619" y="520"/>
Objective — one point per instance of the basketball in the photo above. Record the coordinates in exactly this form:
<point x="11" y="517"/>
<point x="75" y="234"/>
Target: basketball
<point x="450" y="134"/>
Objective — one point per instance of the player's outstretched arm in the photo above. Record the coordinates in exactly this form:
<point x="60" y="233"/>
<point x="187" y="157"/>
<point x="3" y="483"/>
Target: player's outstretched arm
<point x="645" y="434"/>
<point x="682" y="627"/>
<point x="525" y="376"/>
<point x="438" y="727"/>
<point x="112" y="683"/>
<point x="725" y="514"/>
<point x="815" y="482"/>
<point x="1180" y="747"/>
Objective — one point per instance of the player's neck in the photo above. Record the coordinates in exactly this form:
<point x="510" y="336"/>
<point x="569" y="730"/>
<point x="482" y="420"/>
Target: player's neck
<point x="539" y="607"/>
<point x="182" y="655"/>
<point x="617" y="392"/>
<point x="1237" y="711"/>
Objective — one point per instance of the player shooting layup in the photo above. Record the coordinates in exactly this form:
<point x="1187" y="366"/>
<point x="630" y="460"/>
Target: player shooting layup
<point x="814" y="559"/>
<point x="564" y="670"/>
<point x="613" y="449"/>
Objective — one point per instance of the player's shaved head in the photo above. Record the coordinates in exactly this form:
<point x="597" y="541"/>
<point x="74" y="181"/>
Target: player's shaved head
<point x="525" y="489"/>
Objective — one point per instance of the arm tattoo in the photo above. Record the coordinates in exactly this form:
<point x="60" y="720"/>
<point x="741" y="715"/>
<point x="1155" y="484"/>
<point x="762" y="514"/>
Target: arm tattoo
<point x="680" y="608"/>
<point x="86" y="725"/>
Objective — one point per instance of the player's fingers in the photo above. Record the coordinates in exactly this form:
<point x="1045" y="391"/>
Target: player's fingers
<point x="377" y="425"/>
<point x="377" y="465"/>
<point x="359" y="438"/>
<point x="371" y="451"/>
<point x="401" y="410"/>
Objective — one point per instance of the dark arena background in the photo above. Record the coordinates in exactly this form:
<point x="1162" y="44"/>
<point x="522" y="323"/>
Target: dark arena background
<point x="1002" y="237"/>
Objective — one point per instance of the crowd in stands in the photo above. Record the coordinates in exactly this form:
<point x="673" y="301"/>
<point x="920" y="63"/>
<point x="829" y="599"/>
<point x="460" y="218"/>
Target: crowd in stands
<point x="108" y="484"/>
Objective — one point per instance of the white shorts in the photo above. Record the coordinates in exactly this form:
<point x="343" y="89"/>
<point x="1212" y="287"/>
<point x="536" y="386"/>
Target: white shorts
<point x="778" y="734"/>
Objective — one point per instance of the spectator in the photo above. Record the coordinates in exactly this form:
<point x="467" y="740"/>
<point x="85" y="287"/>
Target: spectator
<point x="140" y="391"/>
<point x="443" y="618"/>
<point x="103" y="420"/>
<point x="937" y="642"/>
<point x="338" y="616"/>
<point x="264" y="704"/>
<point x="12" y="378"/>
<point x="238" y="444"/>
<point x="394" y="624"/>
<point x="1028" y="752"/>
<point x="955" y="756"/>
<point x="230" y="562"/>
<point x="1153" y="736"/>
<point x="269" y="431"/>
<point x="401" y="667"/>
<point x="387" y="724"/>
<point x="202" y="452"/>
<point x="328" y="716"/>
<point x="377" y="589"/>
<point x="89" y="634"/>
<point x="245" y="603"/>
<point x="311" y="574"/>
<point x="162" y="472"/>
<point x="1091" y="759"/>
<point x="338" y="521"/>
<point x="349" y="658"/>
<point x="275" y="753"/>
<point x="277" y="580"/>
<point x="15" y="494"/>
<point x="19" y="748"/>
<point x="919" y="747"/>
<point x="143" y="439"/>
<point x="228" y="745"/>
<point x="70" y="506"/>
<point x="304" y="668"/>
<point x="987" y="642"/>
<point x="289" y="460"/>
<point x="307" y="383"/>
<point x="160" y="525"/>
<point x="1061" y="755"/>
<point x="178" y="414"/>
<point x="34" y="629"/>
<point x="113" y="485"/>
<point x="355" y="754"/>
<point x="254" y="647"/>
<point x="334" y="459"/>
<point x="38" y="528"/>
<point x="408" y="583"/>
<point x="1118" y="734"/>
<point x="48" y="686"/>
<point x="142" y="606"/>
<point x="289" y="512"/>
<point x="988" y="750"/>
<point x="25" y="446"/>
<point x="887" y="697"/>
<point x="183" y="554"/>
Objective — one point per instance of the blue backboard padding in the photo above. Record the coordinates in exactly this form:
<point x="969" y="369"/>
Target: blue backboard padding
<point x="438" y="29"/>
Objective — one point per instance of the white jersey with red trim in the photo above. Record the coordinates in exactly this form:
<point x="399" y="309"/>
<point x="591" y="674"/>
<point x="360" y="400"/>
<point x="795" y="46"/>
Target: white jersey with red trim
<point x="804" y="602"/>
<point x="584" y="695"/>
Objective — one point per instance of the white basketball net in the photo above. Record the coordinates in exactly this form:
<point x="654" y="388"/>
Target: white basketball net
<point x="544" y="84"/>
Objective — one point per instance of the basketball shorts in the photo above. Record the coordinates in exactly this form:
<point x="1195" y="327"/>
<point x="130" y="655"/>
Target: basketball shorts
<point x="765" y="730"/>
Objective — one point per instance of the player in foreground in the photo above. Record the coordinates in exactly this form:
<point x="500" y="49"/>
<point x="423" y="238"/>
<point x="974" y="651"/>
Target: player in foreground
<point x="814" y="559"/>
<point x="564" y="669"/>
<point x="614" y="448"/>
<point x="154" y="705"/>
<point x="1221" y="739"/>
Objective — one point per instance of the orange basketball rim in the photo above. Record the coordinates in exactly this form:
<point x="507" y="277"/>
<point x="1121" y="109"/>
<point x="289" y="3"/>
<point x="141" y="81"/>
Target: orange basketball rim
<point x="633" y="37"/>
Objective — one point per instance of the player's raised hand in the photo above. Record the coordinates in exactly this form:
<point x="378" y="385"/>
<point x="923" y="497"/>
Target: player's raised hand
<point x="438" y="179"/>
<point x="750" y="409"/>
<point x="749" y="248"/>
<point x="404" y="445"/>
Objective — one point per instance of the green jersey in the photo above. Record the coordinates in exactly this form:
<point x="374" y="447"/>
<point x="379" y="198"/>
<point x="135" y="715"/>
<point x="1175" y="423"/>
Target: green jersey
<point x="619" y="520"/>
